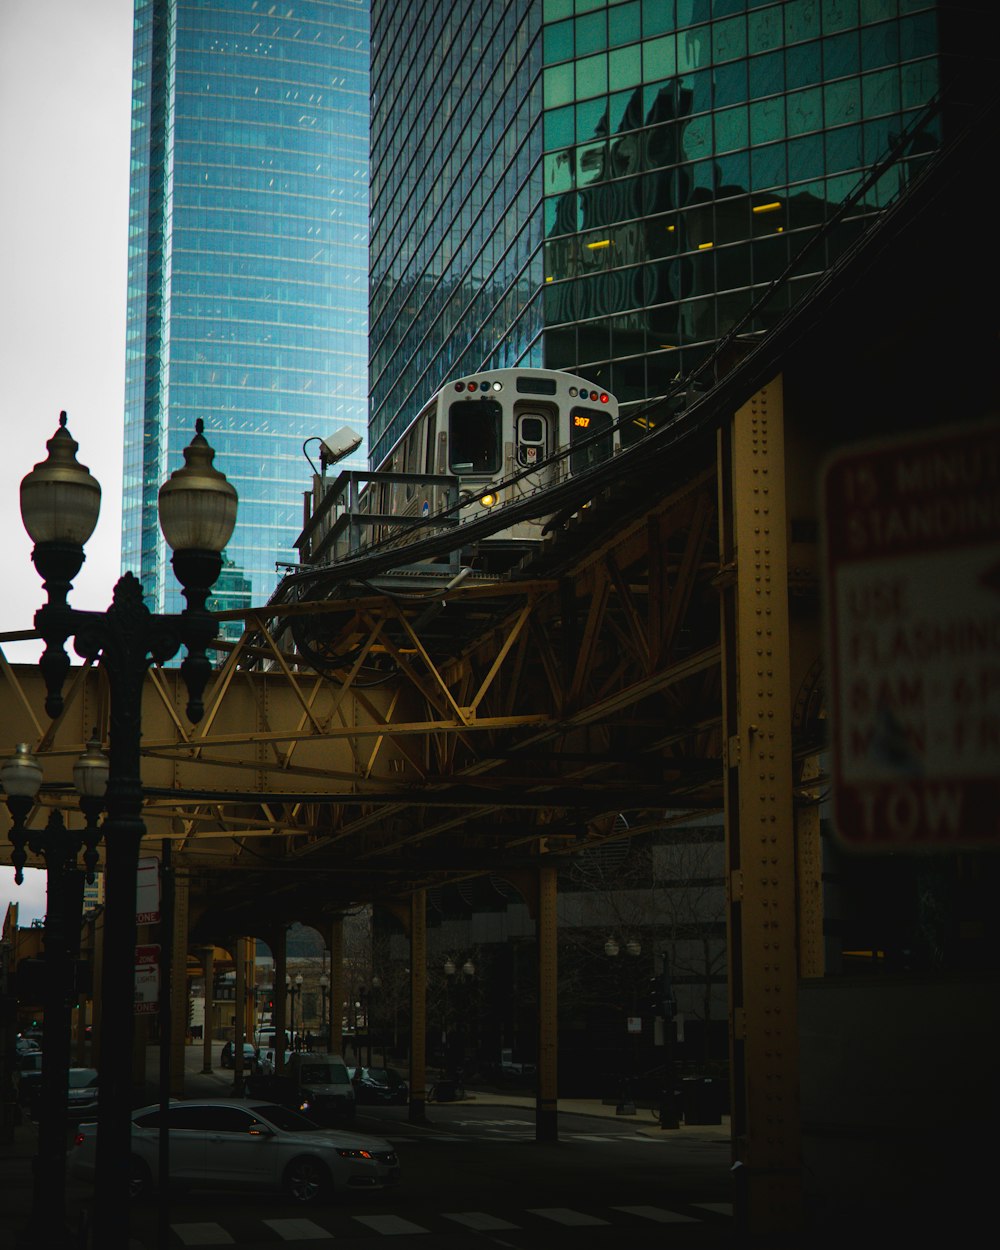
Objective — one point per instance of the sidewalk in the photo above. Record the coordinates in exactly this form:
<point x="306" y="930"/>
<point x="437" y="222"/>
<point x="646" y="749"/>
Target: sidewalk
<point x="220" y="1082"/>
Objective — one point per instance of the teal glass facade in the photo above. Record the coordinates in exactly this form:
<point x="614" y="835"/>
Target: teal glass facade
<point x="680" y="152"/>
<point x="248" y="263"/>
<point x="456" y="198"/>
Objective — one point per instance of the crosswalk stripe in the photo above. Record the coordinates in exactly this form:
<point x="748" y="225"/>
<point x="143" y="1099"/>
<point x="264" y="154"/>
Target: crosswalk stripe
<point x="659" y="1214"/>
<point x="563" y="1215"/>
<point x="388" y="1224"/>
<point x="717" y="1208"/>
<point x="202" y="1234"/>
<point x="479" y="1221"/>
<point x="298" y="1230"/>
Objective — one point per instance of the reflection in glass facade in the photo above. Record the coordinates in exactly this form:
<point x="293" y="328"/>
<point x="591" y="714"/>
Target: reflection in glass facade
<point x="248" y="263"/>
<point x="680" y="153"/>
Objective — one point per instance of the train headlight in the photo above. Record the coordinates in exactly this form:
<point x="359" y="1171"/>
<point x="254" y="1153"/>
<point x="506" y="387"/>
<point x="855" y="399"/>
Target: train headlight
<point x="488" y="500"/>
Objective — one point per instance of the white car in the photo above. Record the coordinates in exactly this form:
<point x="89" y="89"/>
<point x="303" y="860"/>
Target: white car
<point x="240" y="1142"/>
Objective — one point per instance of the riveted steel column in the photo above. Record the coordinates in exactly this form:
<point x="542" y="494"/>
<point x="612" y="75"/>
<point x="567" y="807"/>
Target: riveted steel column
<point x="418" y="1006"/>
<point x="239" y="1014"/>
<point x="546" y="1120"/>
<point x="208" y="963"/>
<point x="279" y="1012"/>
<point x="760" y="827"/>
<point x="335" y="1022"/>
<point x="179" y="988"/>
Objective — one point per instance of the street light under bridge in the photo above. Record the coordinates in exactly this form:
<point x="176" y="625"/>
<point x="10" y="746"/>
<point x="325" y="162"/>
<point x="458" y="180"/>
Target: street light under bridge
<point x="60" y="504"/>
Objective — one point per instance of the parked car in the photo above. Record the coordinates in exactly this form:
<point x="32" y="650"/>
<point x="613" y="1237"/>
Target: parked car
<point x="81" y="1099"/>
<point x="227" y="1059"/>
<point x="28" y="1076"/>
<point x="81" y="1093"/>
<point x="380" y="1085"/>
<point x="240" y="1142"/>
<point x="317" y="1085"/>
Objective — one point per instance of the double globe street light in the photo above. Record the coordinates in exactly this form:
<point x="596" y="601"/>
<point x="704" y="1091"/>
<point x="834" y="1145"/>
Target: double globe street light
<point x="60" y="504"/>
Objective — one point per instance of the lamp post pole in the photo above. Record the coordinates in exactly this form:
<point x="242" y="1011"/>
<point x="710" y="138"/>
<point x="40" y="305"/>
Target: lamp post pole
<point x="294" y="988"/>
<point x="626" y="1104"/>
<point x="324" y="986"/>
<point x="21" y="777"/>
<point x="60" y="502"/>
<point x="372" y="997"/>
<point x="449" y="972"/>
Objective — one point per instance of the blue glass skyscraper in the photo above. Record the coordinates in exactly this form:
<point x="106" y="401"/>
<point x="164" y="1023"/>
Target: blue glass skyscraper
<point x="248" y="264"/>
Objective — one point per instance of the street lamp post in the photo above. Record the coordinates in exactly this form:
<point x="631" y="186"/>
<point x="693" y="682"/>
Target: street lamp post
<point x="21" y="777"/>
<point x="294" y="989"/>
<point x="324" y="989"/>
<point x="626" y="1103"/>
<point x="376" y="985"/>
<point x="60" y="503"/>
<point x="449" y="972"/>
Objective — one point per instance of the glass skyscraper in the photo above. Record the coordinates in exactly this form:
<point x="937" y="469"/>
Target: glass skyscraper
<point x="248" y="264"/>
<point x="607" y="186"/>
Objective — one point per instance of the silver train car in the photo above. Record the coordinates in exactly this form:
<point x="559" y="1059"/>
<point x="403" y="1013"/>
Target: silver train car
<point x="482" y="441"/>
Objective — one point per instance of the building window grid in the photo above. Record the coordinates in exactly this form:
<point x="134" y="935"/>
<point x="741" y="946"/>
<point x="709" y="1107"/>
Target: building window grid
<point x="447" y="212"/>
<point x="419" y="263"/>
<point x="397" y="222"/>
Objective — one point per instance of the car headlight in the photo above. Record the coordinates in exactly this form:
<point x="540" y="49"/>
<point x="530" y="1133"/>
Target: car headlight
<point x="355" y="1153"/>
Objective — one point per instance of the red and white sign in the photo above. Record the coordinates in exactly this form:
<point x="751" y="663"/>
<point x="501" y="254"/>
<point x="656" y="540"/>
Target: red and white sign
<point x="147" y="892"/>
<point x="147" y="980"/>
<point x="912" y="567"/>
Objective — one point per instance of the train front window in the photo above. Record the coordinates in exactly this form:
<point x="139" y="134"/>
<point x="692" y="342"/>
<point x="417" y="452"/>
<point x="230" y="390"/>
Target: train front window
<point x="584" y="424"/>
<point x="474" y="436"/>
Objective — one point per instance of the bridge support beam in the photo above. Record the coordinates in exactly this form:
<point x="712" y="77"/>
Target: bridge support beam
<point x="208" y="964"/>
<point x="418" y="1006"/>
<point x="546" y="1118"/>
<point x="760" y="823"/>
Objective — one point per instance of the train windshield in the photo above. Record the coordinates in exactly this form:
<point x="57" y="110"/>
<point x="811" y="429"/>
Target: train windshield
<point x="474" y="436"/>
<point x="584" y="424"/>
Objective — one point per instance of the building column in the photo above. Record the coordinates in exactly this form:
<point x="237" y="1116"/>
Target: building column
<point x="208" y="963"/>
<point x="546" y="1119"/>
<point x="418" y="1007"/>
<point x="760" y="823"/>
<point x="335" y="1001"/>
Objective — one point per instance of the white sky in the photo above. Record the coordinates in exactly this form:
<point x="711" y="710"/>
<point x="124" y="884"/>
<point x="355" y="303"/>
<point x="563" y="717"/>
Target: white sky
<point x="65" y="84"/>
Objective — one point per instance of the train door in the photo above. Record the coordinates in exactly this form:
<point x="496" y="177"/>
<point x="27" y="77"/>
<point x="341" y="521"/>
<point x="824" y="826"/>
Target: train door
<point x="532" y="439"/>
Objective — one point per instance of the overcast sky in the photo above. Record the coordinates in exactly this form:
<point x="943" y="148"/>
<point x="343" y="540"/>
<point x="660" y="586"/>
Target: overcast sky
<point x="65" y="81"/>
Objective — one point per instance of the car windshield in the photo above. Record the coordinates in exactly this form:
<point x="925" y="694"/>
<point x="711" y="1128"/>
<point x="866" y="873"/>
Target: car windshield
<point x="324" y="1072"/>
<point x="80" y="1078"/>
<point x="282" y="1118"/>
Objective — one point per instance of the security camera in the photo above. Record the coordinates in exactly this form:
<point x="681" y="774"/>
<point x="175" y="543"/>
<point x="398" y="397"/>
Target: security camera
<point x="338" y="445"/>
